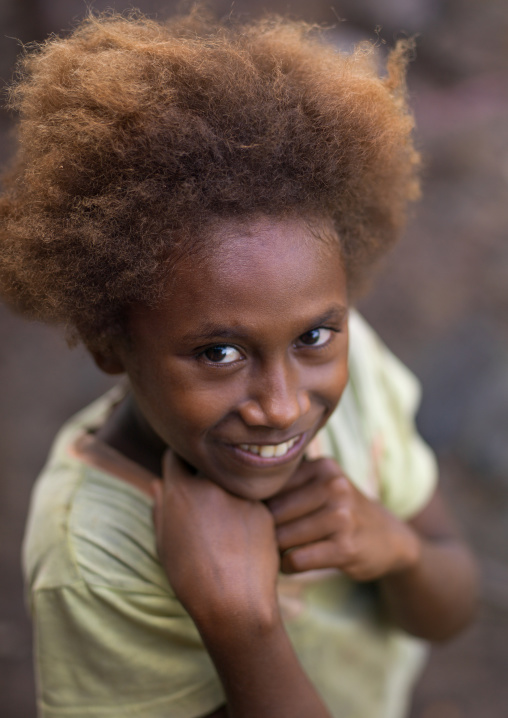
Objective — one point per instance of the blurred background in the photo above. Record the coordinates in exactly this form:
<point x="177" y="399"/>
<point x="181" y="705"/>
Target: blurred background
<point x="441" y="304"/>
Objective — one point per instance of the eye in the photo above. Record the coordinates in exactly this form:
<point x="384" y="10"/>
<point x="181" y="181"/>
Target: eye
<point x="316" y="337"/>
<point x="222" y="354"/>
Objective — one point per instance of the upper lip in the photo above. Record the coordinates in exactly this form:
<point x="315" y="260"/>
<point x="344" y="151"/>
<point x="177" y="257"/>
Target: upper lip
<point x="265" y="438"/>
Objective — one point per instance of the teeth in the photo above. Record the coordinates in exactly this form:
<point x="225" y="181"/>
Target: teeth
<point x="281" y="449"/>
<point x="268" y="451"/>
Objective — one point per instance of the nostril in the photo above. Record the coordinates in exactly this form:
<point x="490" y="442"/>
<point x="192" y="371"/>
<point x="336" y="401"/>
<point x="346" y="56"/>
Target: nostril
<point x="275" y="412"/>
<point x="276" y="398"/>
<point x="303" y="402"/>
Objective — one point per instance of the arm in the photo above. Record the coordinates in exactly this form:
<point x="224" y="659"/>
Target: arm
<point x="221" y="558"/>
<point x="436" y="596"/>
<point x="426" y="574"/>
<point x="260" y="673"/>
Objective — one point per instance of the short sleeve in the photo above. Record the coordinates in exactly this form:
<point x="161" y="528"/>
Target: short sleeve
<point x="107" y="653"/>
<point x="373" y="434"/>
<point x="115" y="641"/>
<point x="407" y="465"/>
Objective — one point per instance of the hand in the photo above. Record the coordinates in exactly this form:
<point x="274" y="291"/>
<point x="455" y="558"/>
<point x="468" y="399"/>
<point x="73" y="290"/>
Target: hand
<point x="219" y="551"/>
<point x="323" y="521"/>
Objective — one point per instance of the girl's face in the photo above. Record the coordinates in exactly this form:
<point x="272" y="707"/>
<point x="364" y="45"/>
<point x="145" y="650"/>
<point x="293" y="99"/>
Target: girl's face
<point x="246" y="357"/>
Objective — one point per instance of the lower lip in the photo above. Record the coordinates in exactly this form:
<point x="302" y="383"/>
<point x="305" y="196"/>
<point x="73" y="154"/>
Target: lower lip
<point x="246" y="457"/>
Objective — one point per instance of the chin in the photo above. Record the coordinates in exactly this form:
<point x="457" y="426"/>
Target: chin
<point x="258" y="489"/>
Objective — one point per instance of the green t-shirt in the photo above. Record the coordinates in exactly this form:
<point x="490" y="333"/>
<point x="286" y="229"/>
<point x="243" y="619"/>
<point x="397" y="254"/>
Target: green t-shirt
<point x="111" y="638"/>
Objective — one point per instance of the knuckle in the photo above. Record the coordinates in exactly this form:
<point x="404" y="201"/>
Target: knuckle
<point x="347" y="549"/>
<point x="350" y="549"/>
<point x="336" y="513"/>
<point x="346" y="513"/>
<point x="343" y="517"/>
<point x="329" y="466"/>
<point x="338" y="486"/>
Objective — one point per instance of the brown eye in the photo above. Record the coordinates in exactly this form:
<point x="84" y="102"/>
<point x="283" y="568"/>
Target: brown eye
<point x="316" y="337"/>
<point x="222" y="354"/>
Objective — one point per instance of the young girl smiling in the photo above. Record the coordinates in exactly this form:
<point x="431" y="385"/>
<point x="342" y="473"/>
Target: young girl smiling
<point x="199" y="204"/>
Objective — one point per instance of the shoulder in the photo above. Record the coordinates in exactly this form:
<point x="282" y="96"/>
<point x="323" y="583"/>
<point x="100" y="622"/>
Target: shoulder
<point x="373" y="434"/>
<point x="86" y="525"/>
<point x="374" y="370"/>
<point x="111" y="636"/>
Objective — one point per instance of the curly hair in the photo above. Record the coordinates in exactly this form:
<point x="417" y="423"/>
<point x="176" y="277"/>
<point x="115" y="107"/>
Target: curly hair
<point x="137" y="136"/>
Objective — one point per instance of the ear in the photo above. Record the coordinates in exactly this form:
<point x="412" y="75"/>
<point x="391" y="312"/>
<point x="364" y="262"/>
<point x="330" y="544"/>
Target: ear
<point x="108" y="361"/>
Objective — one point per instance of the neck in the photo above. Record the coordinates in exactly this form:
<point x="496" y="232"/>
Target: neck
<point x="128" y="432"/>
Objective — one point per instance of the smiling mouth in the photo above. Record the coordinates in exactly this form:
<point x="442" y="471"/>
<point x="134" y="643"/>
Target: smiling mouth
<point x="269" y="451"/>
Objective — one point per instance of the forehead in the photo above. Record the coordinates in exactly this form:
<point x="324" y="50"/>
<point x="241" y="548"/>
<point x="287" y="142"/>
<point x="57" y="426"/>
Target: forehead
<point x="266" y="270"/>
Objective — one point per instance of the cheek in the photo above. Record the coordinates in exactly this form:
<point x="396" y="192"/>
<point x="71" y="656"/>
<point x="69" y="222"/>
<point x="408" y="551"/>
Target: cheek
<point x="342" y="369"/>
<point x="342" y="377"/>
<point x="199" y="411"/>
<point x="334" y="378"/>
<point x="179" y="408"/>
<point x="338" y="384"/>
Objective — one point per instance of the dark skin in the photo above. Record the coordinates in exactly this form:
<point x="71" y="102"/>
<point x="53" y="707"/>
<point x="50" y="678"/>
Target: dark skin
<point x="237" y="383"/>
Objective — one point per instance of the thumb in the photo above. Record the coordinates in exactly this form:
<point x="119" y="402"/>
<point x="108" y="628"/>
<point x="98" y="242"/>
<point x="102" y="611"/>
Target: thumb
<point x="174" y="468"/>
<point x="171" y="466"/>
<point x="157" y="494"/>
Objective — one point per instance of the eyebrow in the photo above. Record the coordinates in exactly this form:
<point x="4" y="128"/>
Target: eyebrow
<point x="209" y="331"/>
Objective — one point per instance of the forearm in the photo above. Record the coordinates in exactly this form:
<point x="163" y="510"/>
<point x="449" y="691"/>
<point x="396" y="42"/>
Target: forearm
<point x="259" y="670"/>
<point x="221" y="558"/>
<point x="435" y="597"/>
<point x="427" y="575"/>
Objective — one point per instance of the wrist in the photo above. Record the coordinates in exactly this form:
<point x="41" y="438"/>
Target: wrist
<point x="260" y="672"/>
<point x="232" y="624"/>
<point x="235" y="610"/>
<point x="409" y="550"/>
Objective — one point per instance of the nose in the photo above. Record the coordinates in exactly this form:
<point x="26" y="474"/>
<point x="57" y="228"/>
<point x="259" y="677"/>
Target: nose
<point x="276" y="399"/>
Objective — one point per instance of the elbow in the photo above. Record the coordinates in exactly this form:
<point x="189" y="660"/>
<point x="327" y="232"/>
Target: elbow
<point x="461" y="612"/>
<point x="452" y="628"/>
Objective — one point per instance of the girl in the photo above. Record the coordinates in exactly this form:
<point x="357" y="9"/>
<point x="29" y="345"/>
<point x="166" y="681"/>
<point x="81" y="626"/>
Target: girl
<point x="199" y="204"/>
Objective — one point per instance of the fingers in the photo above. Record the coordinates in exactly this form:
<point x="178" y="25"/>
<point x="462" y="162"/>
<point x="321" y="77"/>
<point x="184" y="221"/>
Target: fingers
<point x="156" y="489"/>
<point x="174" y="467"/>
<point x="302" y="475"/>
<point x="321" y="490"/>
<point x="335" y="521"/>
<point x="306" y="530"/>
<point x="306" y="558"/>
<point x="301" y="501"/>
<point x="323" y="538"/>
<point x="325" y="554"/>
<point x="311" y="469"/>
